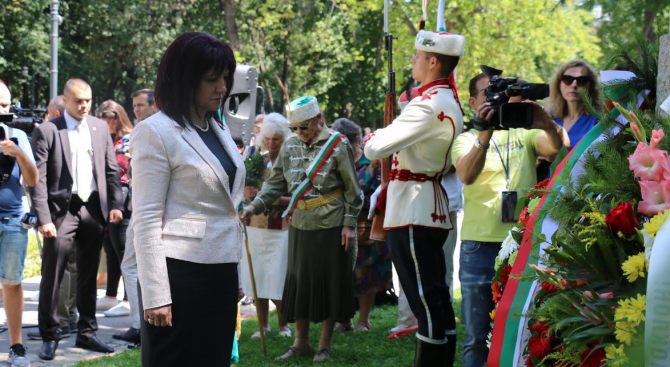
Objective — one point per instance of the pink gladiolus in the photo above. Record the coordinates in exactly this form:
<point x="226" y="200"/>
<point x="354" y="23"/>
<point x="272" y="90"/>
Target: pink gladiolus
<point x="636" y="132"/>
<point x="649" y="163"/>
<point x="592" y="317"/>
<point x="656" y="137"/>
<point x="655" y="197"/>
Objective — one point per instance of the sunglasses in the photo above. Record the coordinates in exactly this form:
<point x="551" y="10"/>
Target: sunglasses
<point x="301" y="127"/>
<point x="581" y="80"/>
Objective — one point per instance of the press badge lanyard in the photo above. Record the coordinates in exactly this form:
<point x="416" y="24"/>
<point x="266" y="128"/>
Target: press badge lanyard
<point x="505" y="167"/>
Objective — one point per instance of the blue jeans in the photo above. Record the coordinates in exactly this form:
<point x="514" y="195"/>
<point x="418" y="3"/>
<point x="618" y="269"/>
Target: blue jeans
<point x="476" y="273"/>
<point x="13" y="247"/>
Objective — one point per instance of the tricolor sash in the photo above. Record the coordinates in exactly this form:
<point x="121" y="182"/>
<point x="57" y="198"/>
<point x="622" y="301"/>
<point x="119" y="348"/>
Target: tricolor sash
<point x="312" y="170"/>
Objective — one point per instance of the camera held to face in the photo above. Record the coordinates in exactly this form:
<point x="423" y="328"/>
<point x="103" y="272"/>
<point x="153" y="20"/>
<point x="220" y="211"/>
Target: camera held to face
<point x="509" y="115"/>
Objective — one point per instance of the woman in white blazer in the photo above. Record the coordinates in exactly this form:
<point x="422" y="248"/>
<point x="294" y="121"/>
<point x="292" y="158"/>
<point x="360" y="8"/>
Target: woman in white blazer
<point x="187" y="182"/>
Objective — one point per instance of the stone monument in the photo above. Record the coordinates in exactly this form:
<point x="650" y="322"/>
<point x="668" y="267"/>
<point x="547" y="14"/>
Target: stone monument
<point x="663" y="78"/>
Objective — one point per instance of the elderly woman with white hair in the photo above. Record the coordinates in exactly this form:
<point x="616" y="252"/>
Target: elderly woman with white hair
<point x="268" y="233"/>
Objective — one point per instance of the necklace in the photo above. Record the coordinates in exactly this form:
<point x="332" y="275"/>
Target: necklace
<point x="205" y="129"/>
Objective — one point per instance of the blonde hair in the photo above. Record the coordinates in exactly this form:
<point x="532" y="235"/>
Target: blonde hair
<point x="558" y="106"/>
<point x="273" y="124"/>
<point x="112" y="110"/>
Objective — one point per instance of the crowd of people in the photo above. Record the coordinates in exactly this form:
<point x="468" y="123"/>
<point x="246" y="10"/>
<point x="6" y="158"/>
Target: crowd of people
<point x="162" y="195"/>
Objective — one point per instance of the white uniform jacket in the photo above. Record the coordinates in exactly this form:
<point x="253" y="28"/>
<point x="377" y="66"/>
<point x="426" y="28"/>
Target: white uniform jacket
<point x="420" y="142"/>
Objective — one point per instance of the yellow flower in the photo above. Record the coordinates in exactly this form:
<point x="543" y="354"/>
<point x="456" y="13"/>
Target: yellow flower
<point x="613" y="352"/>
<point x="493" y="314"/>
<point x="631" y="311"/>
<point x="656" y="223"/>
<point x="637" y="309"/>
<point x="624" y="332"/>
<point x="634" y="267"/>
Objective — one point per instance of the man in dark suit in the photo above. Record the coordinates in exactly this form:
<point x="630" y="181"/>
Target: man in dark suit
<point x="78" y="192"/>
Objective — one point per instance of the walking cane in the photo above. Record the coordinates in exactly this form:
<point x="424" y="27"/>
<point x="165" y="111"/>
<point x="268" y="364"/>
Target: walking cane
<point x="253" y="287"/>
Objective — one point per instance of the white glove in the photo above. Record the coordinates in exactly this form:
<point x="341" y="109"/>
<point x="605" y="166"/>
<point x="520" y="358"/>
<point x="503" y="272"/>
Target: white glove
<point x="373" y="202"/>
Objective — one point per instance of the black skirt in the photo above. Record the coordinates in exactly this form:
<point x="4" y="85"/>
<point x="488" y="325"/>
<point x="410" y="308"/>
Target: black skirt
<point x="204" y="315"/>
<point x="319" y="278"/>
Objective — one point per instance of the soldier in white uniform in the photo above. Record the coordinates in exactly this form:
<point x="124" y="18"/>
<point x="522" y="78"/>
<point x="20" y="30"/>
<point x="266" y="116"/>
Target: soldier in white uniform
<point x="417" y="208"/>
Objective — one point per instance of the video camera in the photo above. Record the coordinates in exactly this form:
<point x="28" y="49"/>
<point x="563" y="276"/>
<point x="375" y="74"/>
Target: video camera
<point x="6" y="162"/>
<point x="23" y="118"/>
<point x="509" y="115"/>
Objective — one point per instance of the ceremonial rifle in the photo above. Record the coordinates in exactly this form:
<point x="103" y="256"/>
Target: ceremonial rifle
<point x="377" y="231"/>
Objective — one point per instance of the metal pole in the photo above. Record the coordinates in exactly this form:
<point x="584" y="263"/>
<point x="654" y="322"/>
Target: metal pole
<point x="55" y="21"/>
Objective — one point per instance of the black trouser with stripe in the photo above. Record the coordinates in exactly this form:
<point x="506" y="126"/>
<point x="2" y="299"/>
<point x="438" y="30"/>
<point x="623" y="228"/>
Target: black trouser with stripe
<point x="417" y="255"/>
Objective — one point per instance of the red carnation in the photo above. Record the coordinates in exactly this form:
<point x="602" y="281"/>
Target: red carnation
<point x="529" y="362"/>
<point x="539" y="346"/>
<point x="595" y="359"/>
<point x="497" y="295"/>
<point x="524" y="216"/>
<point x="504" y="274"/>
<point x="542" y="185"/>
<point x="548" y="287"/>
<point x="622" y="219"/>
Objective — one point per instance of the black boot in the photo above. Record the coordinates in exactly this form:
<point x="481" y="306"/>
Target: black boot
<point x="451" y="351"/>
<point x="430" y="355"/>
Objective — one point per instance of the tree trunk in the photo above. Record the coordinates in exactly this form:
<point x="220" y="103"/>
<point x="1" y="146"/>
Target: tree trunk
<point x="409" y="24"/>
<point x="648" y="30"/>
<point x="231" y="26"/>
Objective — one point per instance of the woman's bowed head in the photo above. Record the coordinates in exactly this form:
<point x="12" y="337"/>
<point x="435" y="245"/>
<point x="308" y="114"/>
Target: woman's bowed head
<point x="195" y="76"/>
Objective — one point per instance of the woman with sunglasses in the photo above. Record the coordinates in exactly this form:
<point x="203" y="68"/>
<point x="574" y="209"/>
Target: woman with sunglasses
<point x="565" y="102"/>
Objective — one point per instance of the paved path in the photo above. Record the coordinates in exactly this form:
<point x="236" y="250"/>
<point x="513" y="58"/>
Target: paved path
<point x="67" y="353"/>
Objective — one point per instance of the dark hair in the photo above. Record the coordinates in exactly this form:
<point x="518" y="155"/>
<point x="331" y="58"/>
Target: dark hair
<point x="473" y="84"/>
<point x="183" y="67"/>
<point x="447" y="63"/>
<point x="151" y="96"/>
<point x="349" y="128"/>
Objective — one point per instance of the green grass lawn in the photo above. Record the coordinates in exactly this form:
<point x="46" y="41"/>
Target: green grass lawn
<point x="33" y="264"/>
<point x="349" y="349"/>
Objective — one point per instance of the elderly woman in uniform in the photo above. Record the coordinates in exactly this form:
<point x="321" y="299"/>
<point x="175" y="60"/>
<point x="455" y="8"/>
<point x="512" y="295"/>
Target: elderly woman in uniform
<point x="317" y="168"/>
<point x="268" y="232"/>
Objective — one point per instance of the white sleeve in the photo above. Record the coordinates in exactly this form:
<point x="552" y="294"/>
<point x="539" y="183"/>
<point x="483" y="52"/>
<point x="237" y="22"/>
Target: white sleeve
<point x="151" y="180"/>
<point x="411" y="127"/>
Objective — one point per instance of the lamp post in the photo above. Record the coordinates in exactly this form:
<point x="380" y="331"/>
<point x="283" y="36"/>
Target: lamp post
<point x="26" y="79"/>
<point x="56" y="20"/>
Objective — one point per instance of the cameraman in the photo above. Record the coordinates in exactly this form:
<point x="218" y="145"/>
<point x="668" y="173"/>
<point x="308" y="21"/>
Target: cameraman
<point x="13" y="236"/>
<point x="492" y="163"/>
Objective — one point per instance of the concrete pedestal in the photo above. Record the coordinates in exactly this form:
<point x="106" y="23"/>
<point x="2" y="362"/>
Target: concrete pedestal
<point x="663" y="78"/>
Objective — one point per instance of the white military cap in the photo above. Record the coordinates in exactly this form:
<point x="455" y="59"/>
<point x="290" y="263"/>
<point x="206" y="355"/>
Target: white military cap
<point x="302" y="109"/>
<point x="443" y="43"/>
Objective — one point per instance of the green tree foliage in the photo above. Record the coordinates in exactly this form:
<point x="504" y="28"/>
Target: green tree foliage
<point x="331" y="49"/>
<point x="619" y="23"/>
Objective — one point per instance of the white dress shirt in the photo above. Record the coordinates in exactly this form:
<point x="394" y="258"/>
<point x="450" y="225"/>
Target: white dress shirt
<point x="81" y="155"/>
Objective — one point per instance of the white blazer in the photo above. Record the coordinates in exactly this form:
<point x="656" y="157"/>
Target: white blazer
<point x="183" y="207"/>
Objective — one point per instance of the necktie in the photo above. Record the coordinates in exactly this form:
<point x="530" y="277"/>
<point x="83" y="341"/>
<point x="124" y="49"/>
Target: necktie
<point x="84" y="162"/>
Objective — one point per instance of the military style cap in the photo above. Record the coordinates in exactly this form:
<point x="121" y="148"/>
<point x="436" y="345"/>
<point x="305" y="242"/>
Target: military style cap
<point x="302" y="109"/>
<point x="443" y="43"/>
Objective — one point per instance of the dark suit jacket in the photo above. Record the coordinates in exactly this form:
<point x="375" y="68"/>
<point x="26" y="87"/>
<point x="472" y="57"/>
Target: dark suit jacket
<point x="53" y="192"/>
